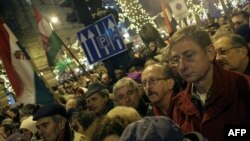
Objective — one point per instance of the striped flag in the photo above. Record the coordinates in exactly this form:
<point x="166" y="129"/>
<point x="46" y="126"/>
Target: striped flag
<point x="28" y="86"/>
<point x="166" y="18"/>
<point x="50" y="40"/>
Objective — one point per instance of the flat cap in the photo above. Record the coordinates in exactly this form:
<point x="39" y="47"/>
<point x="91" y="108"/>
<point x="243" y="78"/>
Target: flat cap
<point x="49" y="110"/>
<point x="96" y="87"/>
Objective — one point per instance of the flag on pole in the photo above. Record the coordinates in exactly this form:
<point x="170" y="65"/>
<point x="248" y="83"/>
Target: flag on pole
<point x="28" y="86"/>
<point x="50" y="40"/>
<point x="166" y="18"/>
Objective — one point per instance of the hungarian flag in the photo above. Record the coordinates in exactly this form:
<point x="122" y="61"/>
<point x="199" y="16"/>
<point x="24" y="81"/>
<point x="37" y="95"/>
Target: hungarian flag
<point x="28" y="86"/>
<point x="50" y="40"/>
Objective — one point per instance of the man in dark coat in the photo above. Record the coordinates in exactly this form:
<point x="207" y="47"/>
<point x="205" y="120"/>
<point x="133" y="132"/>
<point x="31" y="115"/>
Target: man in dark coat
<point x="53" y="125"/>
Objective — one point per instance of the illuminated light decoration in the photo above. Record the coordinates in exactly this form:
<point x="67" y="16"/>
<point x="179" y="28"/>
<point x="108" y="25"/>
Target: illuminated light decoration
<point x="195" y="9"/>
<point x="4" y="76"/>
<point x="54" y="19"/>
<point x="137" y="16"/>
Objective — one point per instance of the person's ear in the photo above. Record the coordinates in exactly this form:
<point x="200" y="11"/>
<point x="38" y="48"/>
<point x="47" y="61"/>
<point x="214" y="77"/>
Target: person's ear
<point x="244" y="51"/>
<point x="62" y="124"/>
<point x="171" y="83"/>
<point x="211" y="52"/>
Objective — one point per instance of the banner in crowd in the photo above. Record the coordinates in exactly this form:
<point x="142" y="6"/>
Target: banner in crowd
<point x="28" y="86"/>
<point x="50" y="40"/>
<point x="179" y="9"/>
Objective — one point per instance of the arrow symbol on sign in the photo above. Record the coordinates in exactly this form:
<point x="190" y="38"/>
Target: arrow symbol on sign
<point x="111" y="26"/>
<point x="91" y="36"/>
<point x="83" y="40"/>
<point x="99" y="33"/>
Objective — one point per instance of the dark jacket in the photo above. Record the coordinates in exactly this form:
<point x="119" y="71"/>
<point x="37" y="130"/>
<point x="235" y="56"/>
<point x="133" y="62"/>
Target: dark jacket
<point x="144" y="108"/>
<point x="71" y="135"/>
<point x="229" y="103"/>
<point x="247" y="71"/>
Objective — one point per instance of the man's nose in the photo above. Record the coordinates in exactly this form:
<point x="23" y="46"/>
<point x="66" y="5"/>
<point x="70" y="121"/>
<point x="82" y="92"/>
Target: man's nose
<point x="183" y="65"/>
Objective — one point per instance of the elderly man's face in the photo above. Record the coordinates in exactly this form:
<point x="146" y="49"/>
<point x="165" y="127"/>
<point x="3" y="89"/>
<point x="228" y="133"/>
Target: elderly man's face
<point x="48" y="129"/>
<point x="156" y="86"/>
<point x="228" y="56"/>
<point x="127" y="96"/>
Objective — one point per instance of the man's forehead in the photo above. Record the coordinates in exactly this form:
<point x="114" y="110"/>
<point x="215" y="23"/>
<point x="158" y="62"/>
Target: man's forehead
<point x="183" y="47"/>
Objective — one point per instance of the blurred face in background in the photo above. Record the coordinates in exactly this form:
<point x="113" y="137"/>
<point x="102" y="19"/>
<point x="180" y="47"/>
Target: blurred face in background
<point x="152" y="46"/>
<point x="105" y="79"/>
<point x="239" y="20"/>
<point x="119" y="73"/>
<point x="96" y="102"/>
<point x="27" y="133"/>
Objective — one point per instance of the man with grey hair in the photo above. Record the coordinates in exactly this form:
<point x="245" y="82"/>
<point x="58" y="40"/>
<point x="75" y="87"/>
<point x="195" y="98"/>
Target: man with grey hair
<point x="52" y="124"/>
<point x="129" y="93"/>
<point x="232" y="53"/>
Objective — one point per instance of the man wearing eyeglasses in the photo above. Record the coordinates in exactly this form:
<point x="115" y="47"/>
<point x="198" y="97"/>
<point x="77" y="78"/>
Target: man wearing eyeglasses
<point x="214" y="97"/>
<point x="232" y="53"/>
<point x="158" y="83"/>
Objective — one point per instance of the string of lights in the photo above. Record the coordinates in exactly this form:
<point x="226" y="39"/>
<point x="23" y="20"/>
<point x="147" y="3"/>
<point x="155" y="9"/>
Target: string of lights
<point x="137" y="16"/>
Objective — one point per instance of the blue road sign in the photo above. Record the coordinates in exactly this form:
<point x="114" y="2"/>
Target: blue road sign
<point x="101" y="40"/>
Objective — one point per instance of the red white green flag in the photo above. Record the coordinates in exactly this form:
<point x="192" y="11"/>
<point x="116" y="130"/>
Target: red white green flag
<point x="28" y="86"/>
<point x="50" y="40"/>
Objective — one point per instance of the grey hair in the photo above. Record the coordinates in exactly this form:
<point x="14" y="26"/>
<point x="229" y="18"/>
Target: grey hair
<point x="125" y="81"/>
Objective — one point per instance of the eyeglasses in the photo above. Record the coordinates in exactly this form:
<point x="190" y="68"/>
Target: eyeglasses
<point x="151" y="81"/>
<point x="188" y="56"/>
<point x="223" y="51"/>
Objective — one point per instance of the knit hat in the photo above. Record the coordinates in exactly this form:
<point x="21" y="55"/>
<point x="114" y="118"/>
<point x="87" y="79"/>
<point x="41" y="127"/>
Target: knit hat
<point x="50" y="110"/>
<point x="96" y="87"/>
<point x="155" y="128"/>
<point x="29" y="124"/>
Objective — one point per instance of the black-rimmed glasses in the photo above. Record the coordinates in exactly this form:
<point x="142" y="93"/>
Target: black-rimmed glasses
<point x="189" y="57"/>
<point x="151" y="81"/>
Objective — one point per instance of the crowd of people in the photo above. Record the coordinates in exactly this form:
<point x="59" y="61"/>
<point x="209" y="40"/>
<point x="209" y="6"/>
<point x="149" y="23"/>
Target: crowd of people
<point x="198" y="85"/>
